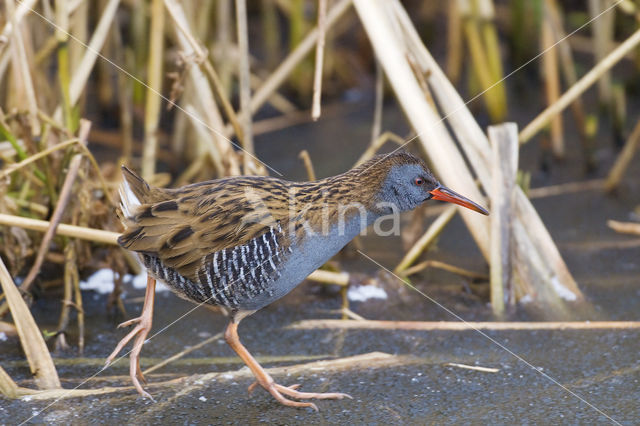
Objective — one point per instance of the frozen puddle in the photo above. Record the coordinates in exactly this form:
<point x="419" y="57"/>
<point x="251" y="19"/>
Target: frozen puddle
<point x="362" y="293"/>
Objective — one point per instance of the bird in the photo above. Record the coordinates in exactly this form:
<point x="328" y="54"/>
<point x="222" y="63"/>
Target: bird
<point x="243" y="242"/>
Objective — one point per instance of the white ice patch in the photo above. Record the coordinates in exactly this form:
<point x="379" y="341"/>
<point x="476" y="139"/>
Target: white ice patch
<point x="561" y="290"/>
<point x="361" y="293"/>
<point x="3" y="336"/>
<point x="103" y="282"/>
<point x="526" y="299"/>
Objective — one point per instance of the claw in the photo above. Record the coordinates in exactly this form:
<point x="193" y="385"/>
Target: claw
<point x="140" y="332"/>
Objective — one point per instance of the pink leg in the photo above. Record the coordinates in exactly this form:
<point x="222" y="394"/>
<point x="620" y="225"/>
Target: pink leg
<point x="267" y="382"/>
<point x="140" y="332"/>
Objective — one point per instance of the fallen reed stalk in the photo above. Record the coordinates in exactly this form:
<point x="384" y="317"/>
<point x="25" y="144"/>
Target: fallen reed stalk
<point x="190" y="383"/>
<point x="332" y="324"/>
<point x="95" y="235"/>
<point x="33" y="345"/>
<point x="473" y="367"/>
<point x="624" y="227"/>
<point x="181" y="354"/>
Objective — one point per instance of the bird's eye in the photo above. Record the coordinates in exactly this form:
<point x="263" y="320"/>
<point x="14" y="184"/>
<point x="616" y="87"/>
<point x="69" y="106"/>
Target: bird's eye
<point x="418" y="181"/>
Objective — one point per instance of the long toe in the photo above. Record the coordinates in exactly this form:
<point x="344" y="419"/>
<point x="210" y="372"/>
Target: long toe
<point x="293" y="393"/>
<point x="273" y="390"/>
<point x="133" y="333"/>
<point x="130" y="322"/>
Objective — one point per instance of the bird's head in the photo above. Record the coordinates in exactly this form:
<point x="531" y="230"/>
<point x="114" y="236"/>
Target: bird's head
<point x="407" y="182"/>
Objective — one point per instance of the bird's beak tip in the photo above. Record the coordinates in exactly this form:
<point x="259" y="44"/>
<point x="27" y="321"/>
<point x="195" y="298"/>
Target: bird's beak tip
<point x="443" y="193"/>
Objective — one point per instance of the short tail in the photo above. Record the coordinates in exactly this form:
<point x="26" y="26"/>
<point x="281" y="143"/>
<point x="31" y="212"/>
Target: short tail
<point x="133" y="192"/>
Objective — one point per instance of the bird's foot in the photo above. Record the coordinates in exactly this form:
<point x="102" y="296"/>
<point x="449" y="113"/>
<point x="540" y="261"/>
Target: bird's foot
<point x="140" y="332"/>
<point x="277" y="392"/>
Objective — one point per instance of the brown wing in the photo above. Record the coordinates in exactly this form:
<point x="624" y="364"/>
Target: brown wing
<point x="182" y="226"/>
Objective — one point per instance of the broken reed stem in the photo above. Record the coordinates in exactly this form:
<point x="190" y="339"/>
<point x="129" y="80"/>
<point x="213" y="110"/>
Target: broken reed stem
<point x="552" y="86"/>
<point x="33" y="345"/>
<point x="308" y="165"/>
<point x="624" y="227"/>
<point x="317" y="76"/>
<point x="154" y="89"/>
<point x="577" y="89"/>
<point x="244" y="82"/>
<point x="364" y="361"/>
<point x="504" y="141"/>
<point x="426" y="240"/>
<point x="624" y="159"/>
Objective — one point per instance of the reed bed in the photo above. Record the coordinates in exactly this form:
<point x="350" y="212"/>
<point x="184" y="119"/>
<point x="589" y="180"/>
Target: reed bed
<point x="183" y="86"/>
